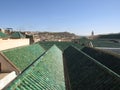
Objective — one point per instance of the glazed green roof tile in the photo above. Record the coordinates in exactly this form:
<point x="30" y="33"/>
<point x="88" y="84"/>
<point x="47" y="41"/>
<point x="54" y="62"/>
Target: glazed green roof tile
<point x="24" y="56"/>
<point x="108" y="59"/>
<point x="105" y="43"/>
<point x="17" y="35"/>
<point x="46" y="73"/>
<point x="85" y="73"/>
<point x="62" y="45"/>
<point x="2" y="35"/>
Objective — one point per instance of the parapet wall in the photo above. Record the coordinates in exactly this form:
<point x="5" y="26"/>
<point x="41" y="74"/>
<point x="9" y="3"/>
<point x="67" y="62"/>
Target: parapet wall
<point x="7" y="79"/>
<point x="12" y="43"/>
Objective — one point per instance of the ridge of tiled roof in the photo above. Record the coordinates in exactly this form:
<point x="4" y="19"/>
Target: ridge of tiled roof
<point x="46" y="73"/>
<point x="60" y="45"/>
<point x="24" y="56"/>
<point x="85" y="73"/>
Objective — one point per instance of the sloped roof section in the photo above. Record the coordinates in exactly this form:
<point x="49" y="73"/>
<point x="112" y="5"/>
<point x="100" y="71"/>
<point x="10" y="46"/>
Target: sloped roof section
<point x="61" y="45"/>
<point x="24" y="56"/>
<point x="109" y="59"/>
<point x="85" y="73"/>
<point x="46" y="73"/>
<point x="2" y="35"/>
<point x="17" y="35"/>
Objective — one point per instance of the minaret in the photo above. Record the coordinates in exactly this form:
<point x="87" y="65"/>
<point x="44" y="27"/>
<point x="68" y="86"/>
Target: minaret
<point x="92" y="34"/>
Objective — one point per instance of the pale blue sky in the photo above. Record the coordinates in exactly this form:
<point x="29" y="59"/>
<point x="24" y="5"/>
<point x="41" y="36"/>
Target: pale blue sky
<point x="76" y="16"/>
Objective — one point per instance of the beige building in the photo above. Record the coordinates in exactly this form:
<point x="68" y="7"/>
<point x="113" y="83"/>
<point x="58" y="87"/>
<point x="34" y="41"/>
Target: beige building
<point x="12" y="43"/>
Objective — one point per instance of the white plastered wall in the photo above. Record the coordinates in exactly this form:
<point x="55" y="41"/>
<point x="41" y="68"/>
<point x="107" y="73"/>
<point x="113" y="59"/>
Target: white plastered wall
<point x="12" y="43"/>
<point x="7" y="79"/>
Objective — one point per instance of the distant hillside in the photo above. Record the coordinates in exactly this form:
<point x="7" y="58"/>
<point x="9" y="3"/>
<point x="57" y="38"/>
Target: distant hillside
<point x="110" y="36"/>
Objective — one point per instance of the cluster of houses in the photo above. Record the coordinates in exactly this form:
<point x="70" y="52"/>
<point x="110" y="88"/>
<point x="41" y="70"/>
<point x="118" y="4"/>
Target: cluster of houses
<point x="39" y="36"/>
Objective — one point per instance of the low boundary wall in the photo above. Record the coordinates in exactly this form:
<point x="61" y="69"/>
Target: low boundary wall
<point x="12" y="43"/>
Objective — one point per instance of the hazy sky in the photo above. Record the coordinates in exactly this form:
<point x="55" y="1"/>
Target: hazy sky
<point x="76" y="16"/>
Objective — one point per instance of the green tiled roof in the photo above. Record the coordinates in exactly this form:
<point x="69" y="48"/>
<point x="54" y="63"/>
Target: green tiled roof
<point x="62" y="45"/>
<point x="44" y="74"/>
<point x="85" y="73"/>
<point x="17" y="35"/>
<point x="108" y="59"/>
<point x="104" y="43"/>
<point x="24" y="56"/>
<point x="2" y="35"/>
